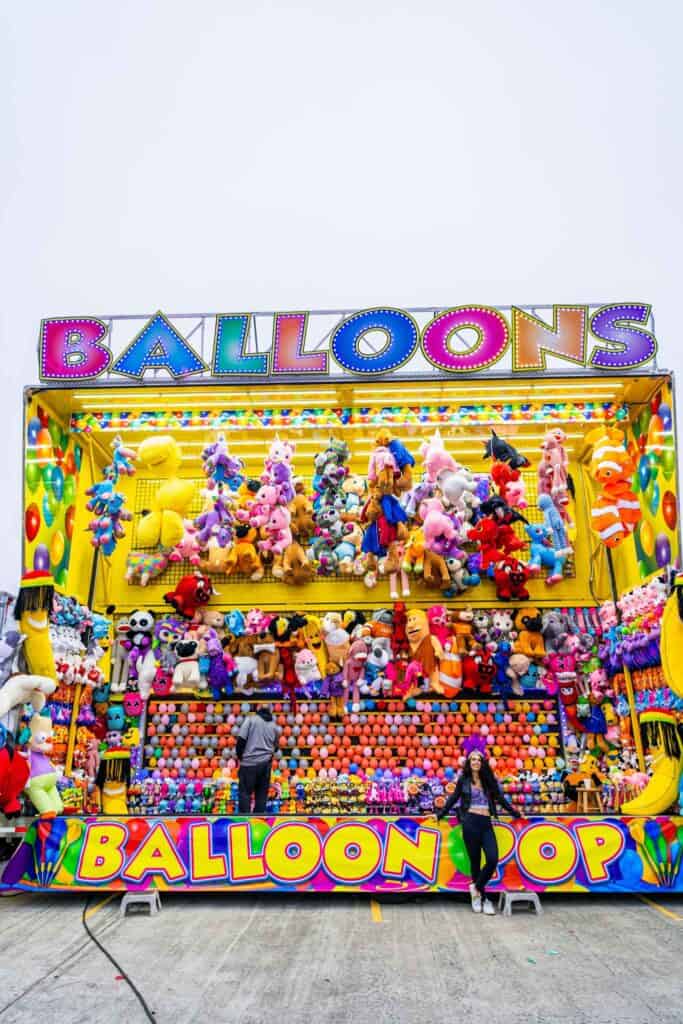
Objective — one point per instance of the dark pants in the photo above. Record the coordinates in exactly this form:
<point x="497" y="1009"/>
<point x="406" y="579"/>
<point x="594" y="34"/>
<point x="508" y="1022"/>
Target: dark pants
<point x="254" y="780"/>
<point x="478" y="834"/>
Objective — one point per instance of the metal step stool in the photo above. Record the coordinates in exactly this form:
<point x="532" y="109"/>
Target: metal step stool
<point x="506" y="899"/>
<point x="149" y="899"/>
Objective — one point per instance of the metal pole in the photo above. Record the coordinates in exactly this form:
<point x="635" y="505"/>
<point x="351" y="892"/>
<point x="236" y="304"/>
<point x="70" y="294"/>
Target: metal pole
<point x="628" y="679"/>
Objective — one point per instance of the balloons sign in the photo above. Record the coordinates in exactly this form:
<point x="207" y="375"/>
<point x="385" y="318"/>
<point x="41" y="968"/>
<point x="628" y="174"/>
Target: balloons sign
<point x="669" y="510"/>
<point x="57" y="481"/>
<point x="31" y="522"/>
<point x="41" y="559"/>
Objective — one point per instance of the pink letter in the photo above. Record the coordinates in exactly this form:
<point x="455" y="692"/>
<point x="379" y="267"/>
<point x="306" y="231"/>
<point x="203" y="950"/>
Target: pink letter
<point x="70" y="349"/>
<point x="492" y="340"/>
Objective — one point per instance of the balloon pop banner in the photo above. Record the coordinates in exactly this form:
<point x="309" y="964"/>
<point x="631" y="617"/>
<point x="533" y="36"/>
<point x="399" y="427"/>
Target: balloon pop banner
<point x="568" y="854"/>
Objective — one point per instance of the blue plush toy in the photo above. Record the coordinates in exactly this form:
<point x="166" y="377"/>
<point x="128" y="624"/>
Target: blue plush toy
<point x="542" y="553"/>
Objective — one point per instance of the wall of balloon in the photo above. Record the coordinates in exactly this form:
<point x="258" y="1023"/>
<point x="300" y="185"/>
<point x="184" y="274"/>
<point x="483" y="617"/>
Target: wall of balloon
<point x="380" y="728"/>
<point x="377" y="717"/>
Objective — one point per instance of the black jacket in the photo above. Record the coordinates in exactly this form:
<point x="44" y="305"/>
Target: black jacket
<point x="463" y="793"/>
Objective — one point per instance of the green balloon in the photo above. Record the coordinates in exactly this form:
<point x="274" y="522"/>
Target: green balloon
<point x="667" y="461"/>
<point x="644" y="420"/>
<point x="644" y="568"/>
<point x="259" y="833"/>
<point x="457" y="851"/>
<point x="69" y="490"/>
<point x="55" y="432"/>
<point x="52" y="503"/>
<point x="47" y="477"/>
<point x="635" y="483"/>
<point x="32" y="473"/>
<point x="61" y="577"/>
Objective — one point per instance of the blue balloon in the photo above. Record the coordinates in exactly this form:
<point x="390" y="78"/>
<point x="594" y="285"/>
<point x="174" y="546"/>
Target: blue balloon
<point x="78" y="456"/>
<point x="32" y="428"/>
<point x="48" y="514"/>
<point x="644" y="472"/>
<point x="631" y="867"/>
<point x="655" y="497"/>
<point x="665" y="415"/>
<point x="57" y="481"/>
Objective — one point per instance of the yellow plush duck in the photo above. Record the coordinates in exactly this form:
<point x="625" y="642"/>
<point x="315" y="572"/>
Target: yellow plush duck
<point x="164" y="523"/>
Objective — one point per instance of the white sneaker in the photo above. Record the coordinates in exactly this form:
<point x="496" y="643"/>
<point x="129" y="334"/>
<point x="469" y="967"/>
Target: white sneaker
<point x="488" y="908"/>
<point x="476" y="899"/>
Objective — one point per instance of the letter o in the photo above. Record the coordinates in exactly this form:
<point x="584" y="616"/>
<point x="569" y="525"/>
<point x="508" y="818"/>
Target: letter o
<point x="493" y="337"/>
<point x="400" y="329"/>
<point x="292" y="852"/>
<point x="352" y="853"/>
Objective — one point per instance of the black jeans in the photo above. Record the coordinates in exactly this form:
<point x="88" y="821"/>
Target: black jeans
<point x="254" y="780"/>
<point x="478" y="834"/>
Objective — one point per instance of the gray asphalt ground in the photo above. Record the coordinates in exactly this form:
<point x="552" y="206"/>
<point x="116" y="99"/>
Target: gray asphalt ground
<point x="333" y="960"/>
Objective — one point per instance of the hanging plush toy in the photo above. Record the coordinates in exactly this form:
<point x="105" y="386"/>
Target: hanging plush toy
<point x="616" y="510"/>
<point x="164" y="524"/>
<point x="14" y="774"/>
<point x="553" y="468"/>
<point x="543" y="554"/>
<point x="499" y="449"/>
<point x="144" y="566"/>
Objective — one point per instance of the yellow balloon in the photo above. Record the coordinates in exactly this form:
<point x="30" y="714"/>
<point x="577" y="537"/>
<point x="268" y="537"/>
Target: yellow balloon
<point x="57" y="547"/>
<point x="647" y="537"/>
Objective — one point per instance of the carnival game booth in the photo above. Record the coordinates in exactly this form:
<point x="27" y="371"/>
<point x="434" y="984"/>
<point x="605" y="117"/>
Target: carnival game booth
<point x="408" y="532"/>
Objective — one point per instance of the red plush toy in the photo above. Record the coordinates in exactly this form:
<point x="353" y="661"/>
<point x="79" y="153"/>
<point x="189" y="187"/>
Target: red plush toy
<point x="485" y="534"/>
<point x="14" y="773"/>
<point x="399" y="639"/>
<point x="478" y="672"/>
<point x="510" y="576"/>
<point x="191" y="593"/>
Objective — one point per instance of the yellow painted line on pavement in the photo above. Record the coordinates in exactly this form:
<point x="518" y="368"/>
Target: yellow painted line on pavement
<point x="376" y="912"/>
<point x="662" y="910"/>
<point x="98" y="906"/>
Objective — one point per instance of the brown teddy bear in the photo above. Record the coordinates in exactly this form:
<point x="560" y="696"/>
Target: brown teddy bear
<point x="301" y="511"/>
<point x="243" y="556"/>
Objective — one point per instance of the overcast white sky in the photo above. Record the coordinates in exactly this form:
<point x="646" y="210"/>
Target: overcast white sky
<point x="219" y="155"/>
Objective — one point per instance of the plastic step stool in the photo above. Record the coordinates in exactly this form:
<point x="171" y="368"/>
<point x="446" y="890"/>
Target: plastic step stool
<point x="506" y="900"/>
<point x="150" y="899"/>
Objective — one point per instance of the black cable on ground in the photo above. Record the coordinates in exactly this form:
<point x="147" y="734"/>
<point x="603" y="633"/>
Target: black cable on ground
<point x="138" y="995"/>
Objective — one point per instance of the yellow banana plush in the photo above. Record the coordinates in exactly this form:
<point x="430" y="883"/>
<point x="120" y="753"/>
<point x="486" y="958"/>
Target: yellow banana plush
<point x="671" y="640"/>
<point x="32" y="608"/>
<point x="660" y="734"/>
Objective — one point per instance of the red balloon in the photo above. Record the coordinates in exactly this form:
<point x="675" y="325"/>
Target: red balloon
<point x="642" y="441"/>
<point x="670" y="510"/>
<point x="69" y="517"/>
<point x="69" y="463"/>
<point x="656" y="402"/>
<point x="32" y="522"/>
<point x="59" y="455"/>
<point x="42" y="416"/>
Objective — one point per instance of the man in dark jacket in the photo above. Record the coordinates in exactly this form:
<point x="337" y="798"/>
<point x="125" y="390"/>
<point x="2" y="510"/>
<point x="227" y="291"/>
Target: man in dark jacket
<point x="257" y="741"/>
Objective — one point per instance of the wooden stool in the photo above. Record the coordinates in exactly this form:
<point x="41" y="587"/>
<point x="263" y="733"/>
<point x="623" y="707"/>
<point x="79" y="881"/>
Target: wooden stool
<point x="506" y="900"/>
<point x="150" y="899"/>
<point x="589" y="799"/>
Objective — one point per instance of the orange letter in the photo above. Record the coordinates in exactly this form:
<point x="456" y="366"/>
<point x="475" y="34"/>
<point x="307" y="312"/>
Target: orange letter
<point x="532" y="339"/>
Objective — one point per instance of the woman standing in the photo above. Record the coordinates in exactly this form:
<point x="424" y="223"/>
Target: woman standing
<point x="479" y="794"/>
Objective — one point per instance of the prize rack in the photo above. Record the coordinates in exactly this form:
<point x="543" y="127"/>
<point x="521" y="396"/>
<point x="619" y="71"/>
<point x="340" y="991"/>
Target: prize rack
<point x="562" y="700"/>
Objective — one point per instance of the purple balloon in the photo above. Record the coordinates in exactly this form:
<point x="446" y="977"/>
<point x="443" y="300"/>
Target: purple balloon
<point x="41" y="559"/>
<point x="662" y="550"/>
